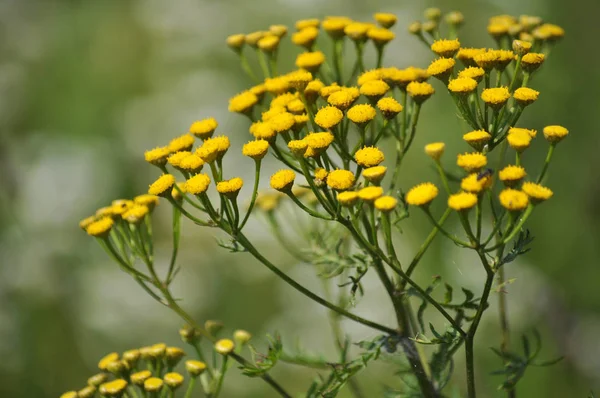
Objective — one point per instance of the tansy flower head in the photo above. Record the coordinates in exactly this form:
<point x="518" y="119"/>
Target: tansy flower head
<point x="224" y="346"/>
<point x="319" y="142"/>
<point x="181" y="143"/>
<point x="536" y="192"/>
<point x="486" y="60"/>
<point x="475" y="183"/>
<point x="521" y="47"/>
<point x="195" y="367"/>
<point x="162" y="186"/>
<point x="422" y="194"/>
<point x="283" y="180"/>
<point x="268" y="43"/>
<point x="343" y="99"/>
<point x="328" y="117"/>
<point x="209" y="151"/>
<point x="441" y="68"/>
<point x="277" y="85"/>
<point x="504" y="57"/>
<point x="340" y="180"/>
<point x="357" y="31"/>
<point x="525" y="96"/>
<point x="253" y="38"/>
<point x="369" y="156"/>
<point x="312" y="90"/>
<point x="369" y="194"/>
<point x="305" y="37"/>
<point x="83" y="224"/>
<point x="435" y="150"/>
<point x="299" y="122"/>
<point x="298" y="147"/>
<point x="428" y="26"/>
<point x="385" y="19"/>
<point x="305" y="23"/>
<point x="474" y="72"/>
<point x="243" y="102"/>
<point x="198" y="184"/>
<point x="462" y="201"/>
<point x="106" y="211"/>
<point x="549" y="32"/>
<point x="555" y="134"/>
<point x="236" y="42"/>
<point x="497" y="30"/>
<point x="361" y="114"/>
<point x="374" y="89"/>
<point x="380" y="36"/>
<point x="519" y="140"/>
<point x="100" y="229"/>
<point x="230" y="188"/>
<point x="334" y="26"/>
<point x="462" y="85"/>
<point x="299" y="79"/>
<point x="504" y="19"/>
<point x="326" y="91"/>
<point x="262" y="131"/>
<point x="386" y="204"/>
<point x="513" y="200"/>
<point x="282" y="122"/>
<point x="113" y="388"/>
<point x="311" y="61"/>
<point x="532" y="61"/>
<point x="419" y="92"/>
<point x="86" y="392"/>
<point x="445" y="48"/>
<point x="374" y="174"/>
<point x="495" y="97"/>
<point x="136" y="214"/>
<point x="278" y="30"/>
<point x="157" y="156"/>
<point x="467" y="55"/>
<point x="255" y="149"/>
<point x="366" y="76"/>
<point x="279" y="103"/>
<point x="389" y="107"/>
<point x="471" y="162"/>
<point x="320" y="174"/>
<point x="455" y="18"/>
<point x="433" y="14"/>
<point x="176" y="158"/>
<point x="258" y="90"/>
<point x="104" y="361"/>
<point x="191" y="163"/>
<point x="512" y="175"/>
<point x="120" y="206"/>
<point x="477" y="139"/>
<point x="296" y="107"/>
<point x="173" y="380"/>
<point x="532" y="133"/>
<point x="153" y="384"/>
<point x="347" y="198"/>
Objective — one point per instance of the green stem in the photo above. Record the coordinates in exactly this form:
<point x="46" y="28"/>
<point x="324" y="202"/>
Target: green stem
<point x="254" y="193"/>
<point x="445" y="233"/>
<point x="546" y="163"/>
<point x="176" y="236"/>
<point x="427" y="242"/>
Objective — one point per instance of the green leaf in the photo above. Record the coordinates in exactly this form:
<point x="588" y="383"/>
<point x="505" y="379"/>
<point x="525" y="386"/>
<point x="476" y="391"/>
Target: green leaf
<point x="448" y="294"/>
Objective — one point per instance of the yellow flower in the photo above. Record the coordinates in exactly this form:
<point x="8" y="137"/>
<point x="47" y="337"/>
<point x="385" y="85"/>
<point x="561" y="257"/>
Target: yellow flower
<point x="519" y="140"/>
<point x="334" y="26"/>
<point x="178" y="191"/>
<point x="462" y="85"/>
<point x="497" y="30"/>
<point x="455" y="18"/>
<point x="311" y="61"/>
<point x="253" y="38"/>
<point x="386" y="204"/>
<point x="467" y="55"/>
<point x="487" y="59"/>
<point x="422" y="194"/>
<point x="85" y="392"/>
<point x="230" y="188"/>
<point x="224" y="346"/>
<point x="262" y="131"/>
<point x="374" y="89"/>
<point x="369" y="194"/>
<point x="298" y="147"/>
<point x="347" y="198"/>
<point x="380" y="36"/>
<point x="305" y="23"/>
<point x="255" y="149"/>
<point x="549" y="32"/>
<point x="419" y="92"/>
<point x="312" y="90"/>
<point x="474" y="183"/>
<point x="97" y="379"/>
<point x="357" y="31"/>
<point x="536" y="192"/>
<point x="153" y="384"/>
<point x="361" y="114"/>
<point x="474" y="72"/>
<point x="113" y="388"/>
<point x="106" y="211"/>
<point x="100" y="229"/>
<point x="343" y="99"/>
<point x="366" y="76"/>
<point x="258" y="90"/>
<point x="305" y="37"/>
<point x="162" y="186"/>
<point x="299" y="79"/>
<point x="512" y="175"/>
<point x="389" y="107"/>
<point x="441" y="68"/>
<point x="525" y="96"/>
<point x="181" y="143"/>
<point x="277" y="85"/>
<point x="433" y="14"/>
<point x="192" y="163"/>
<point x="328" y="117"/>
<point x="120" y="206"/>
<point x="243" y="102"/>
<point x="173" y="380"/>
<point x="374" y="174"/>
<point x="204" y="128"/>
<point x="521" y="47"/>
<point x="282" y="122"/>
<point x="131" y="356"/>
<point x="176" y="158"/>
<point x="340" y="180"/>
<point x="477" y="139"/>
<point x="157" y="156"/>
<point x="532" y="133"/>
<point x="198" y="184"/>
<point x="299" y="122"/>
<point x="283" y="180"/>
<point x="462" y="201"/>
<point x="435" y="150"/>
<point x="319" y="142"/>
<point x="296" y="107"/>
<point x="135" y="214"/>
<point x="209" y="151"/>
<point x="495" y="97"/>
<point x="555" y="134"/>
<point x="471" y="162"/>
<point x="445" y="48"/>
<point x="513" y="200"/>
<point x="83" y="224"/>
<point x="326" y="91"/>
<point x="278" y="104"/>
<point x="320" y="174"/>
<point x="236" y="42"/>
<point x="429" y="27"/>
<point x="385" y="19"/>
<point x="369" y="156"/>
<point x="195" y="367"/>
<point x="278" y="30"/>
<point x="532" y="61"/>
<point x="504" y="57"/>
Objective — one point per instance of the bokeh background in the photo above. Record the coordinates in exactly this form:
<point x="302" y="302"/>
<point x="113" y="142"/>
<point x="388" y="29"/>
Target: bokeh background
<point x="87" y="86"/>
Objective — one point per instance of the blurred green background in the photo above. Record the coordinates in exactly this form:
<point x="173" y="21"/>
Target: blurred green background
<point x="87" y="86"/>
